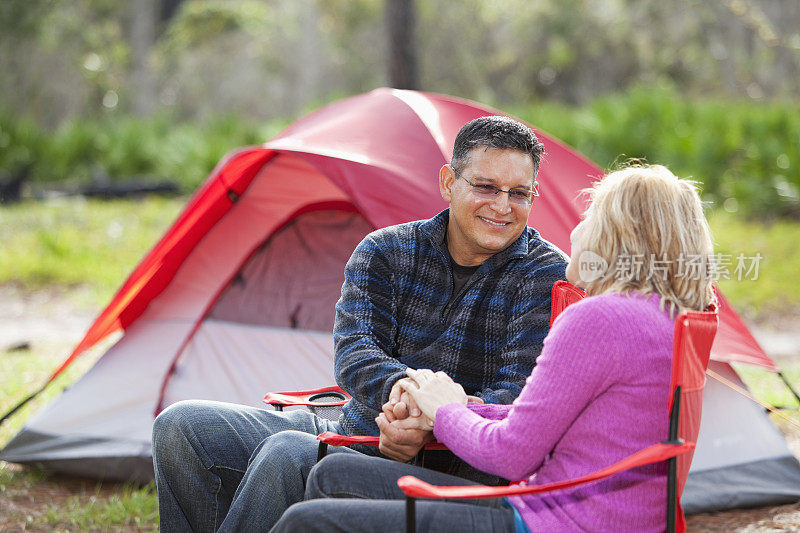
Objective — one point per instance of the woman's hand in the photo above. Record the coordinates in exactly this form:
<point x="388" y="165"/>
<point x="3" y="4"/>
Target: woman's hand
<point x="432" y="390"/>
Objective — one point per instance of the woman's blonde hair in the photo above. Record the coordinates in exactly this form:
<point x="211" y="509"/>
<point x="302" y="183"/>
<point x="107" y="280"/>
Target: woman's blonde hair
<point x="648" y="226"/>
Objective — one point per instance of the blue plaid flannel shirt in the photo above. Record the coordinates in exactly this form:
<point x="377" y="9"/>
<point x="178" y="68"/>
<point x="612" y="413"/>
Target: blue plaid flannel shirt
<point x="394" y="314"/>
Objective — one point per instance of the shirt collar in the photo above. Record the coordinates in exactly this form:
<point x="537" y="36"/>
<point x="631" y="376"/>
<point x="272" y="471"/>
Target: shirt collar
<point x="436" y="230"/>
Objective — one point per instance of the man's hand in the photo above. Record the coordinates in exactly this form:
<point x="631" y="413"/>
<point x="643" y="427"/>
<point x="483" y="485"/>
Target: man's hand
<point x="402" y="439"/>
<point x="400" y="405"/>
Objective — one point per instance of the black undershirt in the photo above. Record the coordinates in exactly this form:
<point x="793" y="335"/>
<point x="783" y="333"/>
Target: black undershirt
<point x="461" y="275"/>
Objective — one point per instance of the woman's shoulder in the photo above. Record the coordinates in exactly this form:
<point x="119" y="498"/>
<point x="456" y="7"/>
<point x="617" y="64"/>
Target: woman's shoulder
<point x="613" y="312"/>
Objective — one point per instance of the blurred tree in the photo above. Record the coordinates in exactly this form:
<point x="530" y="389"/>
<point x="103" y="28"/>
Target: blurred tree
<point x="400" y="21"/>
<point x="142" y="39"/>
<point x="266" y="58"/>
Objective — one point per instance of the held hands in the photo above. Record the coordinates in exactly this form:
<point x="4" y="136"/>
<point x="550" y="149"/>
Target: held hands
<point x="404" y="431"/>
<point x="402" y="439"/>
<point x="404" y="424"/>
<point x="431" y="390"/>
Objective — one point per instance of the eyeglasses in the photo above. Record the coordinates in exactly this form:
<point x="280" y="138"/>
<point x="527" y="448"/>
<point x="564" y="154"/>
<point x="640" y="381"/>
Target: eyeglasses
<point x="515" y="196"/>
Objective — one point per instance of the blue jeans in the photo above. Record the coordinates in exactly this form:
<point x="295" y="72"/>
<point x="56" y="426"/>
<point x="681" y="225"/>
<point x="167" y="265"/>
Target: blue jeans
<point x="354" y="492"/>
<point x="229" y="467"/>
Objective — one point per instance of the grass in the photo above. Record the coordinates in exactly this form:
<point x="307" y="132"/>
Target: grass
<point x="768" y="387"/>
<point x="72" y="241"/>
<point x="33" y="499"/>
<point x="777" y="288"/>
<point x="131" y="506"/>
<point x="46" y="247"/>
<point x="85" y="506"/>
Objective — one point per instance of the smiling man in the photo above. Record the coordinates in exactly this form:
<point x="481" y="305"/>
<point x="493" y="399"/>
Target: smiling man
<point x="466" y="292"/>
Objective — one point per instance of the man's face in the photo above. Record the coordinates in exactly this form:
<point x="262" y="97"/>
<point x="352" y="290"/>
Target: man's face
<point x="480" y="227"/>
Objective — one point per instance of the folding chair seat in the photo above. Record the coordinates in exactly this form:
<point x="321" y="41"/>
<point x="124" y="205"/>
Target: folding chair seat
<point x="694" y="334"/>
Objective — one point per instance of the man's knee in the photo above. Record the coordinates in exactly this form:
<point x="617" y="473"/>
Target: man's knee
<point x="184" y="415"/>
<point x="286" y="449"/>
<point x="173" y="423"/>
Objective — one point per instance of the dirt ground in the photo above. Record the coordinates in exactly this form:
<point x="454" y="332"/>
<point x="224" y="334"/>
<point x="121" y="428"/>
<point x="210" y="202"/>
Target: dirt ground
<point x="53" y="316"/>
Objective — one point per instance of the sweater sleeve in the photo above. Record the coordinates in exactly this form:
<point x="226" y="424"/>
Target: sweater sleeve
<point x="365" y="327"/>
<point x="492" y="411"/>
<point x="572" y="370"/>
<point x="526" y="331"/>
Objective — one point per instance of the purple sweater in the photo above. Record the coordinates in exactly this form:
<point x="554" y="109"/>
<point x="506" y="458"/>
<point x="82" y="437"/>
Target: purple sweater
<point x="598" y="393"/>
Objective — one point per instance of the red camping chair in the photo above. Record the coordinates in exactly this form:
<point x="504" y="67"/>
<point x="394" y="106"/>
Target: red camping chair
<point x="694" y="334"/>
<point x="332" y="398"/>
<point x="326" y="403"/>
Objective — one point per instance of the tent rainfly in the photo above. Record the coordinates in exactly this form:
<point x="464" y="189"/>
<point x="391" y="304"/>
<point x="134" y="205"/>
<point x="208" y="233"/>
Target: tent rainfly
<point x="237" y="297"/>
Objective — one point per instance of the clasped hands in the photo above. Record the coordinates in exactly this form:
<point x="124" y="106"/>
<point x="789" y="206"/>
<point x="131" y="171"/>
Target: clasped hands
<point x="407" y="419"/>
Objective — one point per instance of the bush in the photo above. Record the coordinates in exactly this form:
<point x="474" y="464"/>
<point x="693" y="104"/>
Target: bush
<point x="116" y="149"/>
<point x="746" y="154"/>
<point x="22" y="144"/>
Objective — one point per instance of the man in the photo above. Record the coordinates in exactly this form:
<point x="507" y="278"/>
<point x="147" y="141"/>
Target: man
<point x="466" y="292"/>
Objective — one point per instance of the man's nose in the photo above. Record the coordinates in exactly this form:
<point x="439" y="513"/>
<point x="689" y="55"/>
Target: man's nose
<point x="501" y="202"/>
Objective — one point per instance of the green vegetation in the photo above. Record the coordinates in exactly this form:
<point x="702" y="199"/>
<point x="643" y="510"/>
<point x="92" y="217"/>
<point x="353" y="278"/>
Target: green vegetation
<point x="777" y="289"/>
<point x="91" y="505"/>
<point x="130" y="506"/>
<point x="94" y="506"/>
<point x="122" y="148"/>
<point x="745" y="154"/>
<point x="768" y="387"/>
<point x="71" y="241"/>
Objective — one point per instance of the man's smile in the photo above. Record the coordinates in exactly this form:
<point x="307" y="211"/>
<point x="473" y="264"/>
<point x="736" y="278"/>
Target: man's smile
<point x="495" y="223"/>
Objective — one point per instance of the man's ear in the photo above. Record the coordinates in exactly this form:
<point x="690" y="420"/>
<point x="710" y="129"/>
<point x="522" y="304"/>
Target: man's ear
<point x="447" y="178"/>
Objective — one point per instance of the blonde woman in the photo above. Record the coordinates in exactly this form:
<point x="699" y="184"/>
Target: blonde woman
<point x="597" y="394"/>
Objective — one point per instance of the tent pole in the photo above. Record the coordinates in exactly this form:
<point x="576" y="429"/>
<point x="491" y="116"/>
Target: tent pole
<point x="789" y="386"/>
<point x="21" y="404"/>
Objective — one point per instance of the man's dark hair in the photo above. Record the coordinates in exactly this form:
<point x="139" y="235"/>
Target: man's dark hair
<point x="495" y="132"/>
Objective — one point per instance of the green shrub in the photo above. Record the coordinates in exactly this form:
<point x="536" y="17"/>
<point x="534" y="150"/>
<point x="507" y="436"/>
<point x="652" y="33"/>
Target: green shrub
<point x="741" y="150"/>
<point x="124" y="148"/>
<point x="22" y="144"/>
<point x="746" y="154"/>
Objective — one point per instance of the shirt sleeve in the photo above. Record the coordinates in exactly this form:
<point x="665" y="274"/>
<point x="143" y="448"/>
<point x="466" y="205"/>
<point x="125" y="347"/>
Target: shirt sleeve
<point x="365" y="327"/>
<point x="526" y="331"/>
<point x="570" y="374"/>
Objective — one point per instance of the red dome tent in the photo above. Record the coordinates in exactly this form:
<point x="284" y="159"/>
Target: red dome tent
<point x="237" y="297"/>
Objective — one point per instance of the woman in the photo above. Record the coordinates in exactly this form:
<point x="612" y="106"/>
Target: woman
<point x="597" y="394"/>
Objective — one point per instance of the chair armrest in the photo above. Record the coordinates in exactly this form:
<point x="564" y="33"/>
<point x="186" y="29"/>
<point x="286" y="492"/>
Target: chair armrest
<point x="416" y="488"/>
<point x="334" y="439"/>
<point x="307" y="397"/>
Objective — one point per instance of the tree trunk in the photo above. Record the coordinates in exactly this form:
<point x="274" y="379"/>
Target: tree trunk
<point x="400" y="17"/>
<point x="143" y="35"/>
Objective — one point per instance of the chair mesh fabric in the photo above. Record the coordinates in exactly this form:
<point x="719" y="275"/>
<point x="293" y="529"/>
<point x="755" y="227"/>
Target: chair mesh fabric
<point x="329" y="412"/>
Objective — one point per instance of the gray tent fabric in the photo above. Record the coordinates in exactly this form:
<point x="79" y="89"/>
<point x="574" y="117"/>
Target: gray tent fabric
<point x="741" y="459"/>
<point x="295" y="278"/>
<point x="771" y="481"/>
<point x="101" y="458"/>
